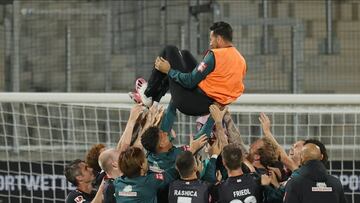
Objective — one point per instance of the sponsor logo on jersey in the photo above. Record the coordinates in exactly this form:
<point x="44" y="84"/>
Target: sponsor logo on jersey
<point x="155" y="168"/>
<point x="202" y="66"/>
<point x="189" y="193"/>
<point x="127" y="192"/>
<point x="321" y="187"/>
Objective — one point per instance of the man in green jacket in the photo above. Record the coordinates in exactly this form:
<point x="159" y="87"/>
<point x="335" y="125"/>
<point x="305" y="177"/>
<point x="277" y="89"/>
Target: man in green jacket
<point x="138" y="184"/>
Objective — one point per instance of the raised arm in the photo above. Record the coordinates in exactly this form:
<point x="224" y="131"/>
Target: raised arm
<point x="285" y="159"/>
<point x="153" y="118"/>
<point x="233" y="132"/>
<point x="125" y="139"/>
<point x="210" y="170"/>
<point x="99" y="197"/>
<point x="218" y="116"/>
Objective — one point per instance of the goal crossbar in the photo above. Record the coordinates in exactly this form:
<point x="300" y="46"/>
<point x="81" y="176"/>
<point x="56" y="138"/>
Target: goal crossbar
<point x="112" y="98"/>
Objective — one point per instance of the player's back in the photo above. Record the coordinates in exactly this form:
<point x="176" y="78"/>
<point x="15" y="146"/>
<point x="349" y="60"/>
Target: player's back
<point x="142" y="189"/>
<point x="134" y="190"/>
<point x="244" y="188"/>
<point x="193" y="191"/>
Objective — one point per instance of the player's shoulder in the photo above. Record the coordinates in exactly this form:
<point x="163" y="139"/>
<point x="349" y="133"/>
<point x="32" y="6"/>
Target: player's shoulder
<point x="154" y="176"/>
<point x="222" y="183"/>
<point x="334" y="181"/>
<point x="209" y="54"/>
<point x="296" y="182"/>
<point x="253" y="176"/>
<point x="189" y="182"/>
<point x="75" y="196"/>
<point x="109" y="184"/>
<point x="118" y="180"/>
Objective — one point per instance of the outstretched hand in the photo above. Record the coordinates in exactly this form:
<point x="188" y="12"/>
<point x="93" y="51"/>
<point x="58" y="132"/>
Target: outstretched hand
<point x="154" y="115"/>
<point x="162" y="65"/>
<point x="216" y="113"/>
<point x="265" y="123"/>
<point x="216" y="148"/>
<point x="274" y="173"/>
<point x="265" y="179"/>
<point x="196" y="145"/>
<point x="135" y="112"/>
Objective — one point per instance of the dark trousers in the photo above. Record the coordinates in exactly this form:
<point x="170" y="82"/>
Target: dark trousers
<point x="188" y="101"/>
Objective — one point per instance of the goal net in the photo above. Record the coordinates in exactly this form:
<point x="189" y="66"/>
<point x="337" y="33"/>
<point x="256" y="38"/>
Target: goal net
<point x="41" y="132"/>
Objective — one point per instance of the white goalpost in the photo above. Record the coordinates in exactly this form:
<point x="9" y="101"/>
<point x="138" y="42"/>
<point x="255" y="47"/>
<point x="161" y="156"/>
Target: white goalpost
<point x="41" y="132"/>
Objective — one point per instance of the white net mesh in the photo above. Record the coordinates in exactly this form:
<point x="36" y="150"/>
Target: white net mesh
<point x="38" y="138"/>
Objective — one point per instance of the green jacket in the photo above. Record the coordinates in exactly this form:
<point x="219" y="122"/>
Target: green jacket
<point x="142" y="189"/>
<point x="162" y="161"/>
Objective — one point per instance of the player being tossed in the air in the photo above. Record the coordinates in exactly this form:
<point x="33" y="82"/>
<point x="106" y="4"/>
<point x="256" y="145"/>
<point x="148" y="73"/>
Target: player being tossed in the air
<point x="217" y="79"/>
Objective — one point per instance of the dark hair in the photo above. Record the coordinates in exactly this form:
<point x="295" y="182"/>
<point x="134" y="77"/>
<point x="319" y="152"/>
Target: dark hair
<point x="92" y="157"/>
<point x="267" y="153"/>
<point x="72" y="170"/>
<point x="131" y="161"/>
<point x="185" y="163"/>
<point x="150" y="139"/>
<point x="223" y="29"/>
<point x="322" y="150"/>
<point x="232" y="156"/>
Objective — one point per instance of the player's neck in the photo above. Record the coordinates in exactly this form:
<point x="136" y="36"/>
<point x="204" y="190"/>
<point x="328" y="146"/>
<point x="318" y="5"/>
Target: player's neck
<point x="192" y="177"/>
<point x="227" y="44"/>
<point x="234" y="173"/>
<point x="85" y="187"/>
<point x="115" y="173"/>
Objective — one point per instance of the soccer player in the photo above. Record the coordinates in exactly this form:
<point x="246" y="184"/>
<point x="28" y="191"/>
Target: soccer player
<point x="190" y="188"/>
<point x="91" y="159"/>
<point x="138" y="184"/>
<point x="161" y="153"/>
<point x="81" y="175"/>
<point x="218" y="78"/>
<point x="291" y="160"/>
<point x="108" y="161"/>
<point x="238" y="187"/>
<point x="313" y="184"/>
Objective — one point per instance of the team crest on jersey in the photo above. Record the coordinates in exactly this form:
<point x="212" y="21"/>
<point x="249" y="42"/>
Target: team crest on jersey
<point x="159" y="176"/>
<point x="202" y="66"/>
<point x="79" y="199"/>
<point x="127" y="188"/>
